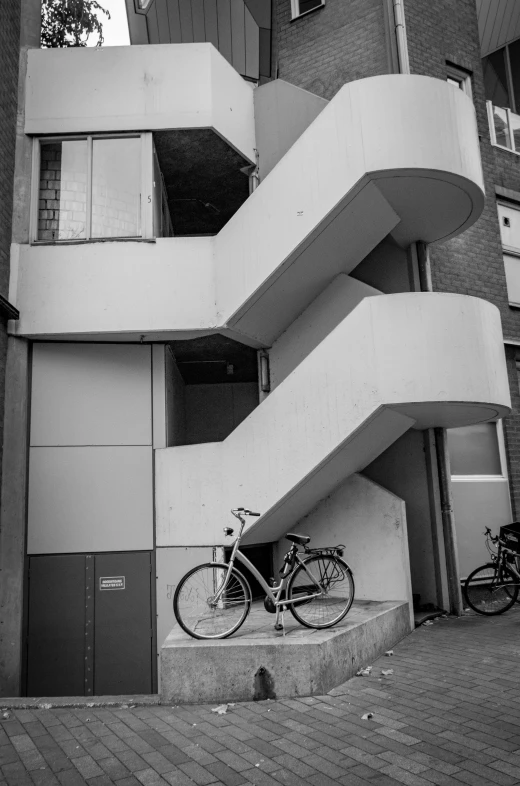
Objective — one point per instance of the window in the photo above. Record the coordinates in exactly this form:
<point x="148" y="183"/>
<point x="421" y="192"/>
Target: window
<point x="90" y="188"/>
<point x="509" y="220"/>
<point x="459" y="78"/>
<point x="502" y="87"/>
<point x="474" y="450"/>
<point x="301" y="7"/>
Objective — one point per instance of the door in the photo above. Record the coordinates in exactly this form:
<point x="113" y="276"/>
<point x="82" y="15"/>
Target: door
<point x="89" y="624"/>
<point x="123" y="624"/>
<point x="56" y="626"/>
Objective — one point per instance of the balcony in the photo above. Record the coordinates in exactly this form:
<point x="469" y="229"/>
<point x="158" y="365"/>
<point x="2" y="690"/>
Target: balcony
<point x="392" y="155"/>
<point x="504" y="127"/>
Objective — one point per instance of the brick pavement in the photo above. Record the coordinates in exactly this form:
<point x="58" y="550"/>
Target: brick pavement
<point x="448" y="715"/>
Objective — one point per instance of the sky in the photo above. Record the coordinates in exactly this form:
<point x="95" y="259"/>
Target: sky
<point x="115" y="29"/>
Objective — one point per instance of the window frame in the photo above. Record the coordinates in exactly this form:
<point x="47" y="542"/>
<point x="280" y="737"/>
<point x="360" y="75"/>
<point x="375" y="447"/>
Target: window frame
<point x="146" y="185"/>
<point x="295" y="9"/>
<point x="461" y="76"/>
<point x="510" y="251"/>
<point x="510" y="129"/>
<point x="513" y="110"/>
<point x="504" y="476"/>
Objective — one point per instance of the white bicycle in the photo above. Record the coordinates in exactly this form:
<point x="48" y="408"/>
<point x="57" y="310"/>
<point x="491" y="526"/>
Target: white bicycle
<point x="213" y="600"/>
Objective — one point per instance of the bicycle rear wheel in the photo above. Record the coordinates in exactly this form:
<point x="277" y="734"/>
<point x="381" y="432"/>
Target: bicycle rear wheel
<point x="491" y="589"/>
<point x="197" y="613"/>
<point x="336" y="583"/>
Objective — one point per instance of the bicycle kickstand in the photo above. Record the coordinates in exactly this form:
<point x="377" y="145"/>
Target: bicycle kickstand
<point x="280" y="625"/>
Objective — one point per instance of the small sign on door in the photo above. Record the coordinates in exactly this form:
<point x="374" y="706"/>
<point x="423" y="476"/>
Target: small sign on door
<point x="112" y="583"/>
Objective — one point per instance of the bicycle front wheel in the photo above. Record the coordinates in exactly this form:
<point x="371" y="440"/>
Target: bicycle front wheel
<point x="335" y="585"/>
<point x="198" y="612"/>
<point x="491" y="589"/>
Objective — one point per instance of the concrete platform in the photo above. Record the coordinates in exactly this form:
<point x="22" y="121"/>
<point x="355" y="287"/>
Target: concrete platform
<point x="260" y="663"/>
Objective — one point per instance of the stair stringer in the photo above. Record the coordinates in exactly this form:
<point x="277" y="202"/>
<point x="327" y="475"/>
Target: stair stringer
<point x="396" y="361"/>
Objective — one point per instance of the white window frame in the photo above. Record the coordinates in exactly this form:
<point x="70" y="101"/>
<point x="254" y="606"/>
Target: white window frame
<point x="462" y="78"/>
<point x="510" y="251"/>
<point x="509" y="112"/>
<point x="503" y="463"/>
<point x="295" y="9"/>
<point x="492" y="131"/>
<point x="146" y="187"/>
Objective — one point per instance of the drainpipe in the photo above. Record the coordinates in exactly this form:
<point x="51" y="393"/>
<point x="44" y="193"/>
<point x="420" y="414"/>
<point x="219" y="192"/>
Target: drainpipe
<point x="424" y="267"/>
<point x="400" y="34"/>
<point x="443" y="467"/>
<point x="448" y="521"/>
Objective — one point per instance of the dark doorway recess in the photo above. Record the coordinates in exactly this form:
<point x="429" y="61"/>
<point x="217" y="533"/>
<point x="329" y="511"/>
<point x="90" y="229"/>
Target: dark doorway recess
<point x="89" y="628"/>
<point x="203" y="179"/>
<point x="262" y="558"/>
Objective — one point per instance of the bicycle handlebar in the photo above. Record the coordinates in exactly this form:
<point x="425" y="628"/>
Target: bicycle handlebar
<point x="492" y="538"/>
<point x="244" y="512"/>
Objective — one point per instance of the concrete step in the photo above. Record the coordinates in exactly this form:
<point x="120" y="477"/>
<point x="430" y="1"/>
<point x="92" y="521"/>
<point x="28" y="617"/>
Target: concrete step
<point x="261" y="663"/>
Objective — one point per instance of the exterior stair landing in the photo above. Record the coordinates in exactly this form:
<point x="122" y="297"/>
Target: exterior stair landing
<point x="260" y="663"/>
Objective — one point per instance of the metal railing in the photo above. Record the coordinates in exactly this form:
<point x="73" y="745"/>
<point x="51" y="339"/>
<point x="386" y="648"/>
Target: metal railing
<point x="504" y="126"/>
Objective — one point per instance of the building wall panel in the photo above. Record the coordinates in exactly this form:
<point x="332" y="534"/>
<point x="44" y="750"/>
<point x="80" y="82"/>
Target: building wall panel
<point x="84" y="499"/>
<point x="91" y="394"/>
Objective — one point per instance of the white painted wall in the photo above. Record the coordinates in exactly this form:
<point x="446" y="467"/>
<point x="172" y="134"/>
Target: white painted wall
<point x="324" y="314"/>
<point x="324" y="219"/>
<point x="372" y="524"/>
<point x="300" y="228"/>
<point x="115" y="287"/>
<point x="171" y="565"/>
<point x="402" y="470"/>
<point x="282" y="113"/>
<point x="394" y="361"/>
<point x="138" y="88"/>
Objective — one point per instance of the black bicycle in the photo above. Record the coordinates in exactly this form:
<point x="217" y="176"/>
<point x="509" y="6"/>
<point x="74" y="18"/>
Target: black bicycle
<point x="494" y="587"/>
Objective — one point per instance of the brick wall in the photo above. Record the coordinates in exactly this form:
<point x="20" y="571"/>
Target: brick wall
<point x="471" y="264"/>
<point x="346" y="40"/>
<point x="9" y="52"/>
<point x="337" y="43"/>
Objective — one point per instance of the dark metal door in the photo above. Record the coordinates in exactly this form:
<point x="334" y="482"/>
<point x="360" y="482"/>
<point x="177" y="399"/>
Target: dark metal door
<point x="123" y="624"/>
<point x="56" y="626"/>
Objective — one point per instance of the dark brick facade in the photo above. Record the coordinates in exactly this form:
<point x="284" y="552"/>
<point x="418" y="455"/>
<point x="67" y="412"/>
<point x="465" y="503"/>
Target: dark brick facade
<point x="472" y="264"/>
<point x="9" y="54"/>
<point x="347" y="40"/>
<point x="340" y="42"/>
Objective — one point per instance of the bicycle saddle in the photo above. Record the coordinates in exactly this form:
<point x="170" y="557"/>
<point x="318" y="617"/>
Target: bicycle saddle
<point x="300" y="539"/>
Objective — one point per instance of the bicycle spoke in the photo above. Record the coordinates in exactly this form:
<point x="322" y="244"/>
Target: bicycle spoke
<point x="203" y="610"/>
<point x="491" y="589"/>
<point x="333" y="584"/>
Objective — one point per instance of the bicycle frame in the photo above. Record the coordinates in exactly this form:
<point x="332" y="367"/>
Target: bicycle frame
<point x="501" y="559"/>
<point x="273" y="593"/>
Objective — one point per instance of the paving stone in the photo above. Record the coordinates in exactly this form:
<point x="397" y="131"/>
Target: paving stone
<point x="113" y="768"/>
<point x="198" y="774"/>
<point x="225" y="774"/>
<point x="449" y="715"/>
